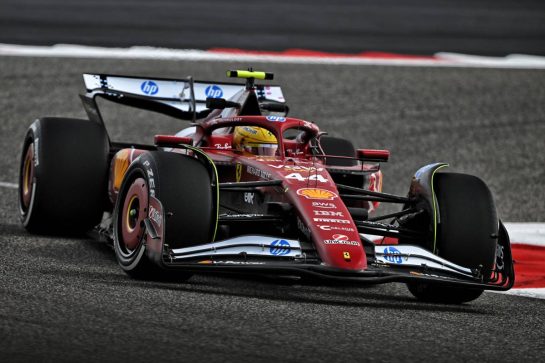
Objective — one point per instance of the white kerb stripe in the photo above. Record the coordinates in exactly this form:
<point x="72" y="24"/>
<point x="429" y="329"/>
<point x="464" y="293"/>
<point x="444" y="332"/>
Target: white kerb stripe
<point x="526" y="233"/>
<point x="139" y="52"/>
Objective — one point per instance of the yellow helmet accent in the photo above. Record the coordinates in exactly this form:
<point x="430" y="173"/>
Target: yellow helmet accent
<point x="257" y="140"/>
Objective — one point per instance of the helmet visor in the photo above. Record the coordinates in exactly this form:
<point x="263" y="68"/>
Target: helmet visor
<point x="262" y="149"/>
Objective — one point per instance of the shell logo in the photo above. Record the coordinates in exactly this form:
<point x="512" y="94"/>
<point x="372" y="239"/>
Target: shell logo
<point x="316" y="193"/>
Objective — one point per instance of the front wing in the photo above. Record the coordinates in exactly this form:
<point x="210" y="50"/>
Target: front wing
<point x="386" y="263"/>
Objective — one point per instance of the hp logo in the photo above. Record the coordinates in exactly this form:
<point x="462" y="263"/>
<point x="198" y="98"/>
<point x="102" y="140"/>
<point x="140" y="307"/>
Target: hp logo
<point x="149" y="87"/>
<point x="392" y="254"/>
<point x="276" y="118"/>
<point x="280" y="247"/>
<point x="213" y="91"/>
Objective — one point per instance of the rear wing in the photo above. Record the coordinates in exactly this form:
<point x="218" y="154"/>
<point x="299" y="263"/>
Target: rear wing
<point x="180" y="98"/>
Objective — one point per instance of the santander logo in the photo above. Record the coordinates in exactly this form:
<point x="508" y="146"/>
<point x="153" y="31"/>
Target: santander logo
<point x="340" y="237"/>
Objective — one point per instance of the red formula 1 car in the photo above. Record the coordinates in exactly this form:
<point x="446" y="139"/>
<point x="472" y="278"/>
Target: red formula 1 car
<point x="247" y="189"/>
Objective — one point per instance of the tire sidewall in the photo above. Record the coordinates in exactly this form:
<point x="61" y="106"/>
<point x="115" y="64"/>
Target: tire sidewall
<point x="26" y="213"/>
<point x="128" y="262"/>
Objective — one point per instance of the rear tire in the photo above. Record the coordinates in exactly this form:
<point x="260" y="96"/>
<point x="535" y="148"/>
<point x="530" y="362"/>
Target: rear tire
<point x="183" y="186"/>
<point x="338" y="147"/>
<point x="466" y="234"/>
<point x="63" y="176"/>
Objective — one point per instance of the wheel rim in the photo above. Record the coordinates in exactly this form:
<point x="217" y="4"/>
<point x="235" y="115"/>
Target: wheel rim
<point x="27" y="177"/>
<point x="135" y="206"/>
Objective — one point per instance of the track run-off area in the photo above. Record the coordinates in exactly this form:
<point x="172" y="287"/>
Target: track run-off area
<point x="66" y="299"/>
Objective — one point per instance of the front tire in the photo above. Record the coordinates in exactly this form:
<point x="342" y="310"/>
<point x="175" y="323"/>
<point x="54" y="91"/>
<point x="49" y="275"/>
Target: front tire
<point x="183" y="186"/>
<point x="466" y="234"/>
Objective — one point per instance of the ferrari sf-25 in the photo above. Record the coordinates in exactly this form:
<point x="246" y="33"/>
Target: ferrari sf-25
<point x="247" y="189"/>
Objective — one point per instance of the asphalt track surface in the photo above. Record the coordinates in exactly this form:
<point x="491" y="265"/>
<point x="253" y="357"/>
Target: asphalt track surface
<point x="488" y="27"/>
<point x="67" y="300"/>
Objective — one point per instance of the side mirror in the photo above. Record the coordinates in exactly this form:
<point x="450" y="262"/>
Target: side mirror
<point x="220" y="103"/>
<point x="275" y="107"/>
<point x="171" y="141"/>
<point x="373" y="155"/>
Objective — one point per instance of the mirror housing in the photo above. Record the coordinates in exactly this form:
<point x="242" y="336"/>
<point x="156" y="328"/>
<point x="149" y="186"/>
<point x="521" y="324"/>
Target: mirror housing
<point x="220" y="103"/>
<point x="373" y="155"/>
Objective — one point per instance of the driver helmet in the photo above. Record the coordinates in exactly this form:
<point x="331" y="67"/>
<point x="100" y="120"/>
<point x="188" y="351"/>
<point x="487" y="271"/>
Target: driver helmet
<point x="255" y="140"/>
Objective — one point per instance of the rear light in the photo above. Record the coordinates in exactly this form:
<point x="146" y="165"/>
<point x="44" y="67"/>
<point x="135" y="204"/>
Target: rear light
<point x="373" y="155"/>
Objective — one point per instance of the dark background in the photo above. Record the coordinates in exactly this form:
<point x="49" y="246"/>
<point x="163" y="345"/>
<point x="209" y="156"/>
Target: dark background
<point x="487" y="27"/>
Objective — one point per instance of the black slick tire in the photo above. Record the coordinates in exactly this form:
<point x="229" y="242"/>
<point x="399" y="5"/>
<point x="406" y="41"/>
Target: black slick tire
<point x="63" y="176"/>
<point x="182" y="185"/>
<point x="466" y="234"/>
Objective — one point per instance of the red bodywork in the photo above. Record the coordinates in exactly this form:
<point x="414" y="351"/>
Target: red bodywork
<point x="306" y="182"/>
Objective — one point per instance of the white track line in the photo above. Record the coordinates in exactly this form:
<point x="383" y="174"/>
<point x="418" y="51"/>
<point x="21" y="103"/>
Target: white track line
<point x="80" y="51"/>
<point x="536" y="293"/>
<point x="442" y="59"/>
<point x="9" y="185"/>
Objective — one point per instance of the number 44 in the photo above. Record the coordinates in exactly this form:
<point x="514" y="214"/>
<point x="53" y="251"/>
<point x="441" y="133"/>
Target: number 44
<point x="313" y="177"/>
